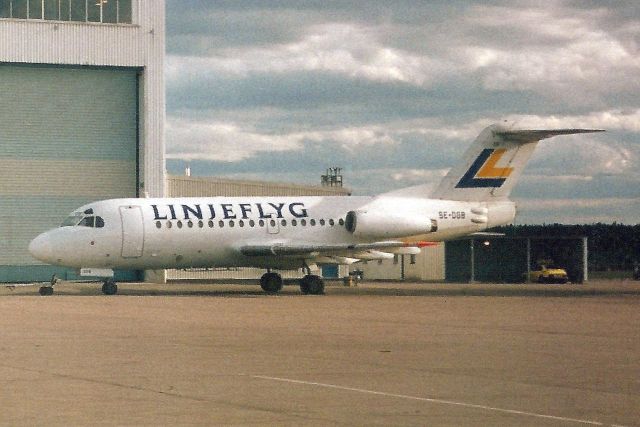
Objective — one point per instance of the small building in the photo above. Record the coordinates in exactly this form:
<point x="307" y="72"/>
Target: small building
<point x="191" y="186"/>
<point x="426" y="266"/>
<point x="510" y="259"/>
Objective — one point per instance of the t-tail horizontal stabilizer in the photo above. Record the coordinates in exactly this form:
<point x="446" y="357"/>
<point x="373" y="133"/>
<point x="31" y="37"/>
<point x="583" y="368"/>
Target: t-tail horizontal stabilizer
<point x="536" y="135"/>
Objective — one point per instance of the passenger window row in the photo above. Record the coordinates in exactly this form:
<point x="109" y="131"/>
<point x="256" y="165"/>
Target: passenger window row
<point x="250" y="223"/>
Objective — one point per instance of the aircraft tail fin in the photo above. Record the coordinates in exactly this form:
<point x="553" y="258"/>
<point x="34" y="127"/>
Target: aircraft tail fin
<point x="494" y="162"/>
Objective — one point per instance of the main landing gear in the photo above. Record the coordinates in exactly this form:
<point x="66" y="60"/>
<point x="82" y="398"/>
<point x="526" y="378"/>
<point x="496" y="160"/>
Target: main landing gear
<point x="271" y="283"/>
<point x="310" y="284"/>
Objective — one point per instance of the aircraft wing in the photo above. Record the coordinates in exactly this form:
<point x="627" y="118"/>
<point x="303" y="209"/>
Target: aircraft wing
<point x="339" y="253"/>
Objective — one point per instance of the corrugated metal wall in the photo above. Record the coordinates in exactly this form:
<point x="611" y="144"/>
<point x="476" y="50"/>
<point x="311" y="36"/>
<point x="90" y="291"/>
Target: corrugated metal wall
<point x="186" y="186"/>
<point x="232" y="273"/>
<point x="67" y="137"/>
<point x="379" y="270"/>
<point x="140" y="44"/>
<point x="428" y="266"/>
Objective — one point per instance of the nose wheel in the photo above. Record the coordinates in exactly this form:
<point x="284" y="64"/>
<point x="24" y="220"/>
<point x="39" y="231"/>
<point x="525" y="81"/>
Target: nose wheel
<point x="109" y="287"/>
<point x="48" y="290"/>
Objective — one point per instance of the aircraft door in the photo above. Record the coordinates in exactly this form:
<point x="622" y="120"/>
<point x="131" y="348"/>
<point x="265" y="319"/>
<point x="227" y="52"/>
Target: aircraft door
<point x="132" y="231"/>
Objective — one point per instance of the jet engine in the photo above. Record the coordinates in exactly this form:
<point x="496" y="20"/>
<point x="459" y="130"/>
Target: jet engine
<point x="377" y="225"/>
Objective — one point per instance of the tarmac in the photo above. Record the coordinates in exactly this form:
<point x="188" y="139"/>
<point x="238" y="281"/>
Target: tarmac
<point x="377" y="354"/>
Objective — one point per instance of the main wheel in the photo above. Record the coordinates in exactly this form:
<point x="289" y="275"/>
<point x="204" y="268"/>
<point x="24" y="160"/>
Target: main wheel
<point x="109" y="287"/>
<point x="271" y="283"/>
<point x="311" y="284"/>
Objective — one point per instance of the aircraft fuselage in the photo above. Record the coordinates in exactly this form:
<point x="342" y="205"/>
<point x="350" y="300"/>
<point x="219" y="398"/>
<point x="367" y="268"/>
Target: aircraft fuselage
<point x="209" y="232"/>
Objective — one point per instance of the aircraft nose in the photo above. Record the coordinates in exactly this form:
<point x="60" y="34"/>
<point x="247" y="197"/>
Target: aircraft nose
<point x="40" y="248"/>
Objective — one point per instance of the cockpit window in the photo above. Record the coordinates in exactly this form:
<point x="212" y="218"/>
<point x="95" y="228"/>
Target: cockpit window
<point x="72" y="219"/>
<point x="85" y="219"/>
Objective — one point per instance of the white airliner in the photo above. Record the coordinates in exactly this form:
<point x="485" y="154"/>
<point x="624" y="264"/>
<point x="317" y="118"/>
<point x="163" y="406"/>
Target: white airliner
<point x="278" y="233"/>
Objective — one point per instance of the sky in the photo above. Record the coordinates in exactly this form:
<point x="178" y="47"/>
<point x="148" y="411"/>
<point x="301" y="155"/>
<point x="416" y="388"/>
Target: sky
<point x="395" y="91"/>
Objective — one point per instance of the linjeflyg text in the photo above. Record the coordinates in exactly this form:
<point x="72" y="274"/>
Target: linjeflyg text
<point x="229" y="211"/>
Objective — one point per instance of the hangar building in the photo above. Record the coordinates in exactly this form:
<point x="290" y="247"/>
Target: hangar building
<point x="81" y="114"/>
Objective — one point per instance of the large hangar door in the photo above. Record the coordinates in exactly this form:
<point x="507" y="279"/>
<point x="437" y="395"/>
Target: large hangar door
<point x="68" y="136"/>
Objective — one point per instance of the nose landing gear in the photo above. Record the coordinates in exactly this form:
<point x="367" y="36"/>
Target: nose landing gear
<point x="109" y="287"/>
<point x="48" y="289"/>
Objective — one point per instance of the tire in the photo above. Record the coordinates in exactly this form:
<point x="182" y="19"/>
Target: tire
<point x="304" y="286"/>
<point x="46" y="291"/>
<point x="312" y="285"/>
<point x="271" y="283"/>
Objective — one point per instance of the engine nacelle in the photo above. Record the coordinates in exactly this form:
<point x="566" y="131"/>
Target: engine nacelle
<point x="377" y="225"/>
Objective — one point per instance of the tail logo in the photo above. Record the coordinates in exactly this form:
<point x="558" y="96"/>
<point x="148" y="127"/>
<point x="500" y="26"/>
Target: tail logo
<point x="484" y="173"/>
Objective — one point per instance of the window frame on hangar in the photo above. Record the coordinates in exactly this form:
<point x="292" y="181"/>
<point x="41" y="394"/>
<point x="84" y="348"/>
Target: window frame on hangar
<point x="81" y="117"/>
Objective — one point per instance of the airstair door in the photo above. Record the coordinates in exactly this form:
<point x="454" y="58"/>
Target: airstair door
<point x="132" y="231"/>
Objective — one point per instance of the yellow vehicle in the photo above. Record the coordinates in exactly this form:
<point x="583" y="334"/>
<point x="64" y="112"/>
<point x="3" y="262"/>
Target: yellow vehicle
<point x="548" y="274"/>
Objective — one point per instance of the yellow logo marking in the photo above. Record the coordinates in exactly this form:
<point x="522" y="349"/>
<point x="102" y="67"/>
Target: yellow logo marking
<point x="489" y="169"/>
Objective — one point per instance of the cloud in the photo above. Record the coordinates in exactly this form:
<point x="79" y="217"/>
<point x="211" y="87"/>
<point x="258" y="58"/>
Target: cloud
<point x="396" y="91"/>
<point x="567" y="56"/>
<point x="342" y="48"/>
<point x="198" y="140"/>
<point x="204" y="141"/>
